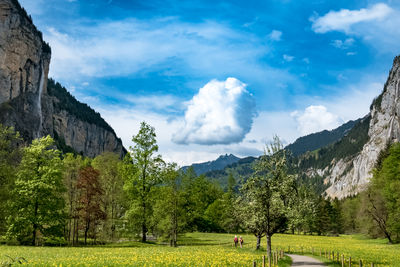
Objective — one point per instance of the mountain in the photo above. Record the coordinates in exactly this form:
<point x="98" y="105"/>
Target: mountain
<point x="339" y="162"/>
<point x="301" y="149"/>
<point x="383" y="130"/>
<point x="35" y="106"/>
<point x="220" y="163"/>
<point x="315" y="141"/>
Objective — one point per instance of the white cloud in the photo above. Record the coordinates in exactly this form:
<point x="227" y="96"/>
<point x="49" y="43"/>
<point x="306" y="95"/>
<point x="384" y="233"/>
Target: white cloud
<point x="166" y="103"/>
<point x="130" y="46"/>
<point x="288" y="58"/>
<point x="221" y="113"/>
<point x="347" y="43"/>
<point x="344" y="19"/>
<point x="316" y="118"/>
<point x="275" y="35"/>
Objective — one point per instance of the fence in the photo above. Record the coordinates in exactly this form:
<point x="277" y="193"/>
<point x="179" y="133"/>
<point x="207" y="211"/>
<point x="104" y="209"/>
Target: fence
<point x="333" y="256"/>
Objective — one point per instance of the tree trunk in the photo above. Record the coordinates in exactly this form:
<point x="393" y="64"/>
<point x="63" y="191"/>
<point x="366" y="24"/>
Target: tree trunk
<point x="144" y="230"/>
<point x="86" y="231"/>
<point x="35" y="226"/>
<point x="77" y="232"/>
<point x="258" y="242"/>
<point x="269" y="249"/>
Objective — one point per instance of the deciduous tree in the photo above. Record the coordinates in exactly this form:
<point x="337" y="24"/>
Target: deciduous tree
<point x="38" y="205"/>
<point x="146" y="168"/>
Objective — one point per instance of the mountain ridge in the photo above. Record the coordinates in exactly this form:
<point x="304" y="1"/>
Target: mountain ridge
<point x="217" y="164"/>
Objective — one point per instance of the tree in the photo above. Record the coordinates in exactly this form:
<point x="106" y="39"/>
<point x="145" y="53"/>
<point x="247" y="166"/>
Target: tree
<point x="112" y="183"/>
<point x="10" y="157"/>
<point x="199" y="193"/>
<point x="72" y="166"/>
<point x="90" y="199"/>
<point x="383" y="197"/>
<point x="269" y="192"/>
<point x="38" y="206"/>
<point x="302" y="215"/>
<point x="324" y="214"/>
<point x="169" y="205"/>
<point x="146" y="168"/>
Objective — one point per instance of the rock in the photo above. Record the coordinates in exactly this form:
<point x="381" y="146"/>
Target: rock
<point x="24" y="101"/>
<point x="384" y="129"/>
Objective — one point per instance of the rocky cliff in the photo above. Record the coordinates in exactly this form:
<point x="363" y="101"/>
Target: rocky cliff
<point x="25" y="102"/>
<point x="348" y="176"/>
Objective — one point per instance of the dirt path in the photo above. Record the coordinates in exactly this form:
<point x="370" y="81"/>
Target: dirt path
<point x="305" y="261"/>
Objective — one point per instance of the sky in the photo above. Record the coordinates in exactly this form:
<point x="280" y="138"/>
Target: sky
<point x="217" y="77"/>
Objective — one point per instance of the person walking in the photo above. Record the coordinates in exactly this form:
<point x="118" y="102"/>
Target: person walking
<point x="241" y="242"/>
<point x="235" y="240"/>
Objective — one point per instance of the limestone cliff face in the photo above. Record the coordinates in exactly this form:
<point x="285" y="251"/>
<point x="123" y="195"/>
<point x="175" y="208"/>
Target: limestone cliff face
<point x="24" y="99"/>
<point x="384" y="129"/>
<point x="24" y="65"/>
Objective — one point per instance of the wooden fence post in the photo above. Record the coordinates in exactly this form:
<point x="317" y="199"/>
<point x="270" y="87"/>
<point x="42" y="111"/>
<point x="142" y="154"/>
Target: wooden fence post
<point x="254" y="263"/>
<point x="263" y="264"/>
<point x="361" y="263"/>
<point x="269" y="259"/>
<point x="312" y="251"/>
<point x="372" y="264"/>
<point x="342" y="260"/>
<point x="333" y="255"/>
<point x="350" y="261"/>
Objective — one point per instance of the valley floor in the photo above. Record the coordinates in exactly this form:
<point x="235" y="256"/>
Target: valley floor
<point x="206" y="249"/>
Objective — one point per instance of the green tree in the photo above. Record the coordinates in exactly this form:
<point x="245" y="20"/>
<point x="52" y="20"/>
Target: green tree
<point x="38" y="205"/>
<point x="10" y="157"/>
<point x="112" y="183"/>
<point x="72" y="165"/>
<point x="384" y="197"/>
<point x="146" y="174"/>
<point x="269" y="192"/>
<point x="168" y="209"/>
<point x="303" y="213"/>
<point x="199" y="194"/>
<point x="324" y="214"/>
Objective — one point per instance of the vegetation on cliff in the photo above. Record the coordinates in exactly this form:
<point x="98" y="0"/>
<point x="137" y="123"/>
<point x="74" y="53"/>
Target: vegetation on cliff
<point x="66" y="101"/>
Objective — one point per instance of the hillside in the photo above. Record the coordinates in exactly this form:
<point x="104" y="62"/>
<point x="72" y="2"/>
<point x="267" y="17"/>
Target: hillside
<point x="317" y="149"/>
<point x="315" y="141"/>
<point x="220" y="163"/>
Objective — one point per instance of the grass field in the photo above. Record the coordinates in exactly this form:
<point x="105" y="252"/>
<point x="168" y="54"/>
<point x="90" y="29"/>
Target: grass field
<point x="203" y="249"/>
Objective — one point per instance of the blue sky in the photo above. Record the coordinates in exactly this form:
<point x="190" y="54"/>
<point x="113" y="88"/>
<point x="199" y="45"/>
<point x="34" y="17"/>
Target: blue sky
<point x="216" y="77"/>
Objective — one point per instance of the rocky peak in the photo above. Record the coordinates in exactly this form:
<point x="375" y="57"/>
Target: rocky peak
<point x="384" y="129"/>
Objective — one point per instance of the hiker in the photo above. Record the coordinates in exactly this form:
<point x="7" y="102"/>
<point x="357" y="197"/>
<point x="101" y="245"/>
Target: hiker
<point x="235" y="240"/>
<point x="241" y="242"/>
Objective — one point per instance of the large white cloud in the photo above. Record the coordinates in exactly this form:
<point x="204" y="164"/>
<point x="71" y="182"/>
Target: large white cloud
<point x="316" y="118"/>
<point x="221" y="113"/>
<point x="343" y="20"/>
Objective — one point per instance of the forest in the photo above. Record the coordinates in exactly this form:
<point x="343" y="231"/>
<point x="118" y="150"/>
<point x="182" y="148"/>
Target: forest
<point x="55" y="199"/>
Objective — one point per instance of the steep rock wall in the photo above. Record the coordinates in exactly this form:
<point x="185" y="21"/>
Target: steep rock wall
<point x="24" y="100"/>
<point x="384" y="129"/>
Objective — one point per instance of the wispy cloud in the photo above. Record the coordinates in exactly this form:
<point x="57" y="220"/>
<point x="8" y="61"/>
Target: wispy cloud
<point x="275" y="35"/>
<point x="344" y="19"/>
<point x="130" y="46"/>
<point x="343" y="44"/>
